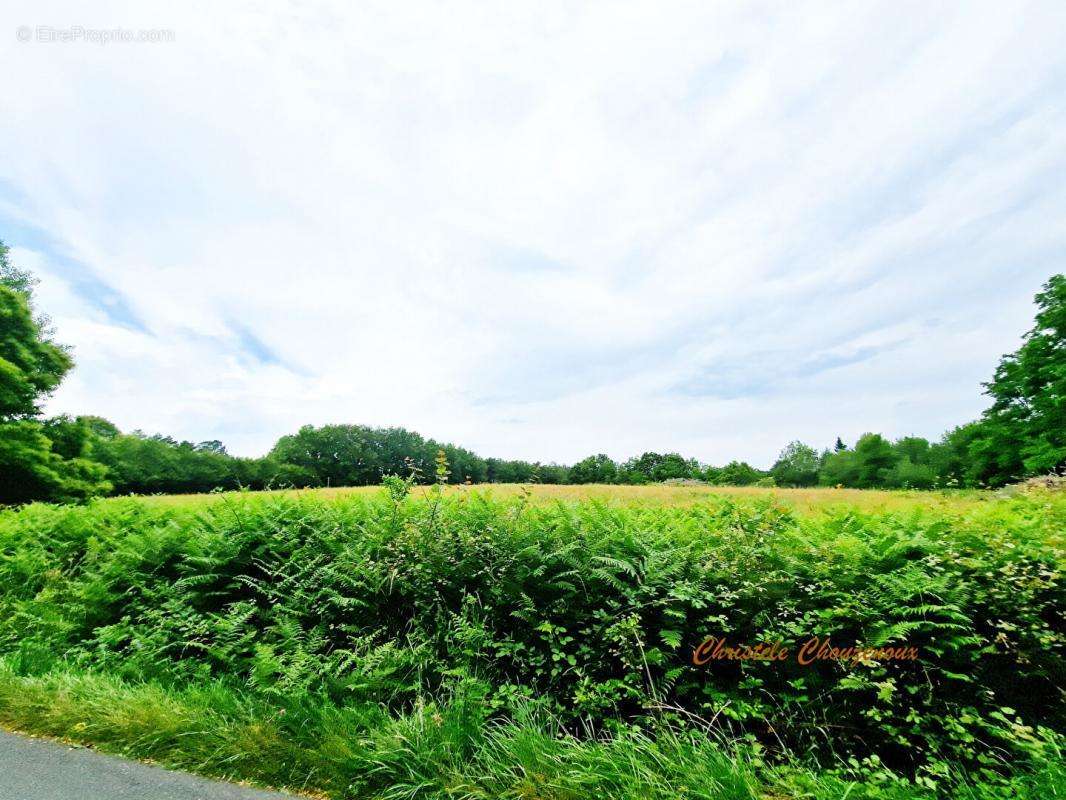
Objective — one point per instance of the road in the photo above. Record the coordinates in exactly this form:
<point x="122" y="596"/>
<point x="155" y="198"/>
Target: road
<point x="38" y="769"/>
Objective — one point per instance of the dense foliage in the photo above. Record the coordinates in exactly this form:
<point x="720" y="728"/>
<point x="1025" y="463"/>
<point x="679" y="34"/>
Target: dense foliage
<point x="1024" y="432"/>
<point x="38" y="458"/>
<point x="588" y="612"/>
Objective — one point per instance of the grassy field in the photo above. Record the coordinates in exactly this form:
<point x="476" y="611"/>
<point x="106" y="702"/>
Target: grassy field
<point x="536" y="643"/>
<point x="803" y="501"/>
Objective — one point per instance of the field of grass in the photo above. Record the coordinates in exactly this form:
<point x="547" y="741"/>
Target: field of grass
<point x="537" y="642"/>
<point x="803" y="501"/>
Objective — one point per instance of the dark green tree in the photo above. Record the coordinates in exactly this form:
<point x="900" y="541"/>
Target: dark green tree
<point x="735" y="473"/>
<point x="1024" y="431"/>
<point x="868" y="466"/>
<point x="796" y="466"/>
<point x="498" y="470"/>
<point x="594" y="469"/>
<point x="914" y="467"/>
<point x="39" y="460"/>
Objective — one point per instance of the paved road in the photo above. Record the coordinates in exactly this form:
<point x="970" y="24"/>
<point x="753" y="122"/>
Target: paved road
<point x="37" y="769"/>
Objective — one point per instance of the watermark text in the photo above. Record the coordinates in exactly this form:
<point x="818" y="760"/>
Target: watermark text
<point x="76" y="34"/>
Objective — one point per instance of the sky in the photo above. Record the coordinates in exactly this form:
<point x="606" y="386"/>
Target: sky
<point x="537" y="230"/>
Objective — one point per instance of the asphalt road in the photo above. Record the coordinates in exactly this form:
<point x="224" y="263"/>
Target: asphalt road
<point x="37" y="769"/>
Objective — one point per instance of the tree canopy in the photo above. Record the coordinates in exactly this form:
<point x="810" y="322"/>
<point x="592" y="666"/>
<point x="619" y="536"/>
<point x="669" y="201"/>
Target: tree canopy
<point x="38" y="458"/>
<point x="1024" y="431"/>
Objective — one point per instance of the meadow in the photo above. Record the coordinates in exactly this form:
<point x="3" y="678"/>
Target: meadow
<point x="538" y="641"/>
<point x="805" y="501"/>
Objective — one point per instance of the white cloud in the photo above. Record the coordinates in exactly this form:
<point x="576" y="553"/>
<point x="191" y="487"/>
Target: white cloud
<point x="540" y="231"/>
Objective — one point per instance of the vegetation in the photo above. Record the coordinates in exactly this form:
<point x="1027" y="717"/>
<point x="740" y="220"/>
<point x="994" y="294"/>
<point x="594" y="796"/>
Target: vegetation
<point x="539" y="640"/>
<point x="63" y="459"/>
<point x="456" y="645"/>
<point x="38" y="458"/>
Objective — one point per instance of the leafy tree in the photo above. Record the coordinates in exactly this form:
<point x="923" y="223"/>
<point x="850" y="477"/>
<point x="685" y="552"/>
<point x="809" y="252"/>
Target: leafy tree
<point x="914" y="468"/>
<point x="357" y="455"/>
<point x="31" y="364"/>
<point x="17" y="280"/>
<point x="638" y="470"/>
<point x="1024" y="432"/>
<point x="951" y="459"/>
<point x="735" y="473"/>
<point x="100" y="427"/>
<point x="39" y="460"/>
<point x="594" y="469"/>
<point x="655" y="467"/>
<point x="672" y="466"/>
<point x="550" y="473"/>
<point x="914" y="448"/>
<point x="466" y="466"/>
<point x="839" y="468"/>
<point x="140" y="464"/>
<point x="874" y="460"/>
<point x="498" y="470"/>
<point x="907" y="474"/>
<point x="796" y="466"/>
<point x="869" y="465"/>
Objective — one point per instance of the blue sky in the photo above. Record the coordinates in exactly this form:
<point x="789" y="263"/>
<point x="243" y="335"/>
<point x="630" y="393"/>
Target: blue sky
<point x="543" y="232"/>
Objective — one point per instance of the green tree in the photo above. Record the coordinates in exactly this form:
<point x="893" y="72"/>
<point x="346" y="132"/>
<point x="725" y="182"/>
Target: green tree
<point x="31" y="364"/>
<point x="1024" y="431"/>
<point x="498" y="470"/>
<point x="874" y="460"/>
<point x="357" y="455"/>
<point x="654" y="467"/>
<point x="735" y="473"/>
<point x="868" y="466"/>
<point x="796" y="466"/>
<point x="951" y="459"/>
<point x="594" y="469"/>
<point x="39" y="460"/>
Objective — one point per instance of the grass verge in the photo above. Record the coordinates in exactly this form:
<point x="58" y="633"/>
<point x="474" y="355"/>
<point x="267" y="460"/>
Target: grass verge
<point x="447" y="750"/>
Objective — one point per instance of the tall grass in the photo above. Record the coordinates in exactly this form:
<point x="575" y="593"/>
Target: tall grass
<point x="808" y="501"/>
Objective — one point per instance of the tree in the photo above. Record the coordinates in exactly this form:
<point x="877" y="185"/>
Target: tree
<point x="796" y="466"/>
<point x="13" y="278"/>
<point x="31" y="365"/>
<point x="839" y="468"/>
<point x="1024" y="431"/>
<point x="673" y="466"/>
<point x="868" y="466"/>
<point x="735" y="473"/>
<point x="655" y="467"/>
<point x="39" y="460"/>
<point x="500" y="471"/>
<point x="839" y="445"/>
<point x="951" y="459"/>
<point x="357" y="455"/>
<point x="874" y="460"/>
<point x="914" y="468"/>
<point x="594" y="469"/>
<point x="549" y="473"/>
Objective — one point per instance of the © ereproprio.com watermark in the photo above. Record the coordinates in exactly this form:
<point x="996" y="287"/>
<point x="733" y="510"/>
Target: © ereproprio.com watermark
<point x="50" y="34"/>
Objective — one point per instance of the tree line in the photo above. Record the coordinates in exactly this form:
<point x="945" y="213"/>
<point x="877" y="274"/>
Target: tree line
<point x="66" y="458"/>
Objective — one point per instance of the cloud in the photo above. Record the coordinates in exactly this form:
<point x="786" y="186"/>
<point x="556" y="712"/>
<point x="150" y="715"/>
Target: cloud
<point x="539" y="231"/>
